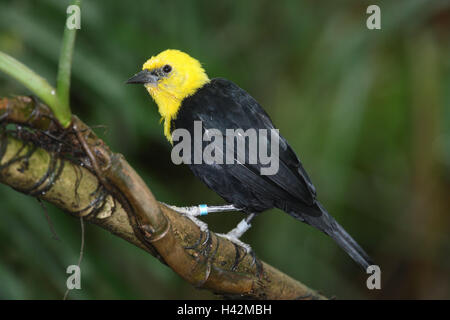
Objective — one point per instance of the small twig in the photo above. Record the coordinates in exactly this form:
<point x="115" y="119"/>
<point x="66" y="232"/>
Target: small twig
<point x="80" y="258"/>
<point x="49" y="221"/>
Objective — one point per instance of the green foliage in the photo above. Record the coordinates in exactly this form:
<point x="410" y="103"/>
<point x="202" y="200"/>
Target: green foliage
<point x="64" y="72"/>
<point x="57" y="100"/>
<point x="31" y="80"/>
<point x="358" y="106"/>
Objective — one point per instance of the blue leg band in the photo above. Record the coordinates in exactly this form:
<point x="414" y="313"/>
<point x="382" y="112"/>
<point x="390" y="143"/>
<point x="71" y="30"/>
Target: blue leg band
<point x="203" y="209"/>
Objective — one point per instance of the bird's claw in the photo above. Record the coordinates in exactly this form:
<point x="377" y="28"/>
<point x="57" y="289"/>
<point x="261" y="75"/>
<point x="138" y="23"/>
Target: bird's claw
<point x="202" y="225"/>
<point x="230" y="236"/>
<point x="190" y="213"/>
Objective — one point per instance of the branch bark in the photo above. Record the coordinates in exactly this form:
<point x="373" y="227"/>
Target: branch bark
<point x="75" y="170"/>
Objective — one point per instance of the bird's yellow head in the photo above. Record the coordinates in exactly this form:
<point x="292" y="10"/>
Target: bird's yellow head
<point x="170" y="77"/>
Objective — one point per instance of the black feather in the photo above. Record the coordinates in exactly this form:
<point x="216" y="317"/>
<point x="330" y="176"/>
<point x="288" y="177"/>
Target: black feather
<point x="222" y="105"/>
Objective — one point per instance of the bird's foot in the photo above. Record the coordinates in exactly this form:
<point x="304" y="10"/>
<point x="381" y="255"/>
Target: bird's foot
<point x="232" y="238"/>
<point x="202" y="225"/>
<point x="202" y="209"/>
<point x="236" y="233"/>
<point x="187" y="211"/>
<point x="191" y="213"/>
<point x="240" y="229"/>
<point x="248" y="250"/>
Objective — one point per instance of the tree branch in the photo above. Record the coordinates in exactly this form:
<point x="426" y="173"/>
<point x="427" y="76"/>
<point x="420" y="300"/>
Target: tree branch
<point x="73" y="169"/>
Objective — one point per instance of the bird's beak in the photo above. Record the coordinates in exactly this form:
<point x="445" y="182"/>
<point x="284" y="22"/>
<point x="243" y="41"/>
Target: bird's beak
<point x="143" y="77"/>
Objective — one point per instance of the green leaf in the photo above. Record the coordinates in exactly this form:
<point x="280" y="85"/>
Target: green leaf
<point x="34" y="82"/>
<point x="64" y="70"/>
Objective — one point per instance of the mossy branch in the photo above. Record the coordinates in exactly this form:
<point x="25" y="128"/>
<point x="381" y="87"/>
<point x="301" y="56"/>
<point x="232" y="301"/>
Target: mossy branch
<point x="120" y="202"/>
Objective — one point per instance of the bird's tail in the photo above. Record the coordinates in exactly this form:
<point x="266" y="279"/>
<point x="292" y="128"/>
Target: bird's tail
<point x="326" y="223"/>
<point x="346" y="242"/>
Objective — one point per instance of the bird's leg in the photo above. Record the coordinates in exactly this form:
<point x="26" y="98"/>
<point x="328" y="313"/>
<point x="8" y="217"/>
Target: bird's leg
<point x="238" y="231"/>
<point x="200" y="210"/>
<point x="242" y="227"/>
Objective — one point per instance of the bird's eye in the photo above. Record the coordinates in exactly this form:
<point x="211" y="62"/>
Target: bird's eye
<point x="167" y="68"/>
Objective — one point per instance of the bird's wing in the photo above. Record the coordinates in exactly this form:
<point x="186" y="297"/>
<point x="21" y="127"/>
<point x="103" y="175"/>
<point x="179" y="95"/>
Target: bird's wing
<point x="230" y="107"/>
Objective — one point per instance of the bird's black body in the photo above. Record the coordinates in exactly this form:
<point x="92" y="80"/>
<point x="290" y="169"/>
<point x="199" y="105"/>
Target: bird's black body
<point x="221" y="105"/>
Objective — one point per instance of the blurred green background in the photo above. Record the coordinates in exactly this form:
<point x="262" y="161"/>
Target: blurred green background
<point x="367" y="111"/>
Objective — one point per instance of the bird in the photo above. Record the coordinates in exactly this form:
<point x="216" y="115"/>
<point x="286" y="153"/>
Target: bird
<point x="185" y="97"/>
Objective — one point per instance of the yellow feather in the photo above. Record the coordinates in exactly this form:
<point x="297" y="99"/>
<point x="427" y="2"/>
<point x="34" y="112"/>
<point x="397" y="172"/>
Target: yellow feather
<point x="186" y="77"/>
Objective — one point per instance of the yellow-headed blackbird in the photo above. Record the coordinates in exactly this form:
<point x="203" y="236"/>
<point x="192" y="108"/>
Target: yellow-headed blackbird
<point x="185" y="95"/>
